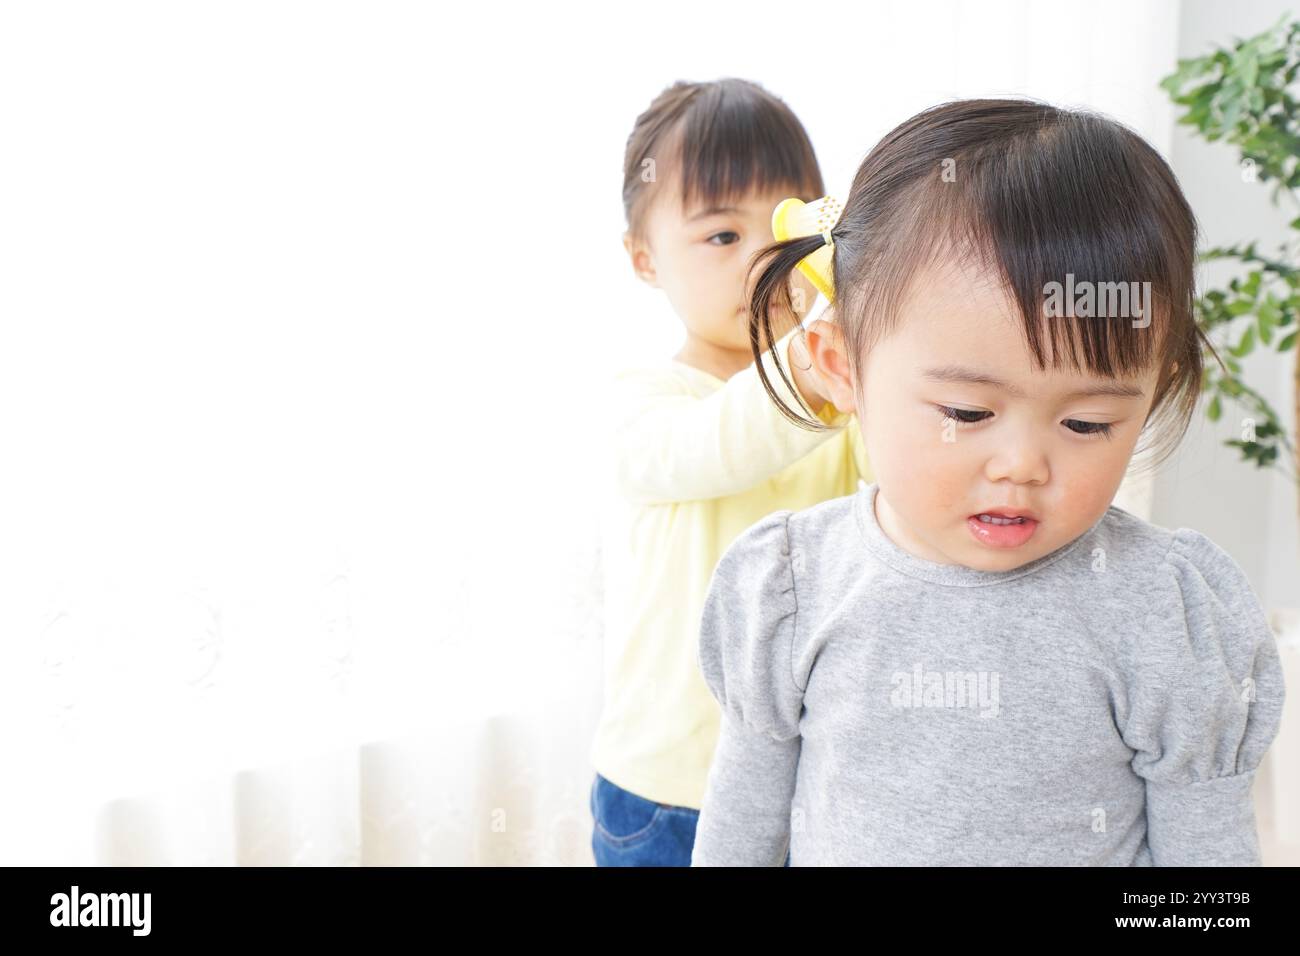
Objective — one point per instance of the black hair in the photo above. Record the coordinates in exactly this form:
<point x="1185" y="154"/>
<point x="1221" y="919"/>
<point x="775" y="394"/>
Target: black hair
<point x="715" y="141"/>
<point x="1032" y="192"/>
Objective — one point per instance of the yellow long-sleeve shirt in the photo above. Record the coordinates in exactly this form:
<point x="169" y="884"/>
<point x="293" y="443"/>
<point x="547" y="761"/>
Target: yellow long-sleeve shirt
<point x="695" y="461"/>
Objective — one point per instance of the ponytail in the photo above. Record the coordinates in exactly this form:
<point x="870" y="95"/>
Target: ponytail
<point x="772" y="290"/>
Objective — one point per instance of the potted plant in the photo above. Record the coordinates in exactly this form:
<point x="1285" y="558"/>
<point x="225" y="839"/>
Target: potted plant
<point x="1245" y="95"/>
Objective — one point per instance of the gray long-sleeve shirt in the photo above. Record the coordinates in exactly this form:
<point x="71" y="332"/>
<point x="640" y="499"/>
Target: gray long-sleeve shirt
<point x="1107" y="704"/>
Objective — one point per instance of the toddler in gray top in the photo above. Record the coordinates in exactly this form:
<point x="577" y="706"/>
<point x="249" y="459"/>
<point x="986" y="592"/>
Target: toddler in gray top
<point x="1105" y="704"/>
<point x="978" y="659"/>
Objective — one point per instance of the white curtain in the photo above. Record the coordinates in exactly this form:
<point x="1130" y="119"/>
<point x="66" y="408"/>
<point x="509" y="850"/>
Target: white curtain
<point x="307" y="309"/>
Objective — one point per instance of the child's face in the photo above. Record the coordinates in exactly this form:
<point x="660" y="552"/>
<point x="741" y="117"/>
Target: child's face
<point x="700" y="259"/>
<point x="1023" y="452"/>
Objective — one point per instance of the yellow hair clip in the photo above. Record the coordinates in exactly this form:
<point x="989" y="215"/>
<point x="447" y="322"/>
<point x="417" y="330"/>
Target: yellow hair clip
<point x="794" y="218"/>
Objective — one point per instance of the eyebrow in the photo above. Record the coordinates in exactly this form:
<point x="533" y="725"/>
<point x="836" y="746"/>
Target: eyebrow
<point x="967" y="376"/>
<point x="713" y="211"/>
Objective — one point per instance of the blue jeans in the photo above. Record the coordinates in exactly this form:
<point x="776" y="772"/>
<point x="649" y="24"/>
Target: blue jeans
<point x="632" y="831"/>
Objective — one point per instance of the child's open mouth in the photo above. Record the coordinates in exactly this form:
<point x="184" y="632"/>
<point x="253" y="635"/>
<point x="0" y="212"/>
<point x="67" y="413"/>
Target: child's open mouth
<point x="997" y="531"/>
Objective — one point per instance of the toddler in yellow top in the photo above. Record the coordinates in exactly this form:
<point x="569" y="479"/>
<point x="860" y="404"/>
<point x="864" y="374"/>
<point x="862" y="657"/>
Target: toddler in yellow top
<point x="698" y="450"/>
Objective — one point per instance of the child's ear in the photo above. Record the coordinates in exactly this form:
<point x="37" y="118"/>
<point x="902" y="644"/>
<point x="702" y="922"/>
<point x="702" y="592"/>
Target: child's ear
<point x="642" y="263"/>
<point x="830" y="357"/>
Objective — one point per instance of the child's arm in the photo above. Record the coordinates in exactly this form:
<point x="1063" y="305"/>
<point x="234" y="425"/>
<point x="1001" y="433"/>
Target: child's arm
<point x="675" y="447"/>
<point x="1204" y="707"/>
<point x="746" y="656"/>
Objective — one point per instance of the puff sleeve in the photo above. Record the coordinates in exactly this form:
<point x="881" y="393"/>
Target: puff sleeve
<point x="671" y="446"/>
<point x="746" y="657"/>
<point x="1204" y="706"/>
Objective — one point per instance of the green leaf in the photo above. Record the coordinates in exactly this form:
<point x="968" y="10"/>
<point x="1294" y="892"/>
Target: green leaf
<point x="1268" y="318"/>
<point x="1249" y="70"/>
<point x="1214" y="409"/>
<point x="1287" y="342"/>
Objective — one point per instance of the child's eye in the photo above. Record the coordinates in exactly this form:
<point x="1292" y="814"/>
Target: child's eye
<point x="734" y="238"/>
<point x="1099" y="429"/>
<point x="956" y="415"/>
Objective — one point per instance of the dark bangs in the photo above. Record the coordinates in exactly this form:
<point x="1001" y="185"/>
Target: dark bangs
<point x="737" y="139"/>
<point x="1044" y="199"/>
<point x="714" y="143"/>
<point x="1075" y="215"/>
<point x="1087" y="228"/>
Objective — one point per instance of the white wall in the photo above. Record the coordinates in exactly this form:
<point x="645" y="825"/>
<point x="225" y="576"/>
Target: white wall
<point x="1252" y="514"/>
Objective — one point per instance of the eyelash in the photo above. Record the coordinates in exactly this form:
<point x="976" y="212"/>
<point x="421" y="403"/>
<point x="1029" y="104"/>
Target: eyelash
<point x="1095" y="429"/>
<point x="727" y="232"/>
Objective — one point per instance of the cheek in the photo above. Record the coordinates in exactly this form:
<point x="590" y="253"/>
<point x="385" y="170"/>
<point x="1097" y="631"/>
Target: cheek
<point x="706" y="282"/>
<point x="1084" y="496"/>
<point x="943" y="495"/>
<point x="906" y="448"/>
<point x="689" y="287"/>
<point x="932" y="502"/>
<point x="917" y="431"/>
